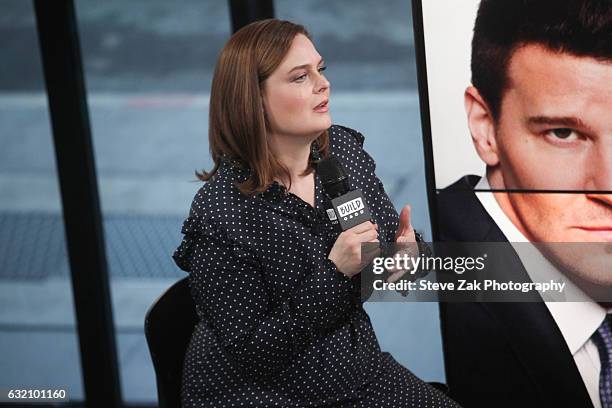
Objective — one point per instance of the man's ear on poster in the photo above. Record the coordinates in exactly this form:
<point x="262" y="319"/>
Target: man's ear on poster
<point x="482" y="126"/>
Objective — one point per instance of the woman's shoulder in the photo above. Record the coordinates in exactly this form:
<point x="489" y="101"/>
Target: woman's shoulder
<point x="220" y="212"/>
<point x="345" y="136"/>
<point x="346" y="144"/>
<point x="218" y="198"/>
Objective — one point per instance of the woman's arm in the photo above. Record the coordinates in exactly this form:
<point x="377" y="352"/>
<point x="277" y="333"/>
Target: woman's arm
<point x="395" y="228"/>
<point x="387" y="214"/>
<point x="263" y="337"/>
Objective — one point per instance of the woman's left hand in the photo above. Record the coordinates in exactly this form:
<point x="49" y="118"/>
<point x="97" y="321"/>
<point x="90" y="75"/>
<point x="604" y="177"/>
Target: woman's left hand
<point x="405" y="232"/>
<point x="404" y="236"/>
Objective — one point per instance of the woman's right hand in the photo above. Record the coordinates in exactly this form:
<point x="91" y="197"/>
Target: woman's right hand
<point x="346" y="252"/>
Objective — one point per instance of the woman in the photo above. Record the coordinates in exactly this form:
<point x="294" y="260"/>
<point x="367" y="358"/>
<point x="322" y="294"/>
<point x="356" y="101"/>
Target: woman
<point x="276" y="288"/>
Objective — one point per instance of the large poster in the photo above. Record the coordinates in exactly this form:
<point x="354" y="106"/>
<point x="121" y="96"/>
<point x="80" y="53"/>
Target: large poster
<point x="516" y="97"/>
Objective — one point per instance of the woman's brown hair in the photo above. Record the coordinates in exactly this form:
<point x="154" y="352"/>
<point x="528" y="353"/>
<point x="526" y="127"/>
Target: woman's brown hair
<point x="237" y="123"/>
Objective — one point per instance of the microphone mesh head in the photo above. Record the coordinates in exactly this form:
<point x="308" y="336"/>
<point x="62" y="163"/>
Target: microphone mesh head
<point x="333" y="177"/>
<point x="330" y="170"/>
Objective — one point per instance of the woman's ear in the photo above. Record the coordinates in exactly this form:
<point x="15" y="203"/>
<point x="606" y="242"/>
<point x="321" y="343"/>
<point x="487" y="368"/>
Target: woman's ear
<point x="482" y="126"/>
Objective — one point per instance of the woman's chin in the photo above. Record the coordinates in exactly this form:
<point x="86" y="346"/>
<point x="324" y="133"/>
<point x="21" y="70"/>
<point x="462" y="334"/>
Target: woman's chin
<point x="316" y="126"/>
<point x="325" y="121"/>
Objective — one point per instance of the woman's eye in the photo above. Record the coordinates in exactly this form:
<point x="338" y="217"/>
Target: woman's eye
<point x="302" y="77"/>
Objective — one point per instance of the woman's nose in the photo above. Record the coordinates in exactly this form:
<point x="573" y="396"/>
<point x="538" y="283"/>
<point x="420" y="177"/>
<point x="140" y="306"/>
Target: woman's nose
<point x="323" y="84"/>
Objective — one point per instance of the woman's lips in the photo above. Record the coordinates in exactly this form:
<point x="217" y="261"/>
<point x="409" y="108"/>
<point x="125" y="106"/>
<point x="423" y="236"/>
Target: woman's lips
<point x="322" y="107"/>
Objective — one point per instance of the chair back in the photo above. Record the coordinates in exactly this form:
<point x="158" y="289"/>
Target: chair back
<point x="169" y="324"/>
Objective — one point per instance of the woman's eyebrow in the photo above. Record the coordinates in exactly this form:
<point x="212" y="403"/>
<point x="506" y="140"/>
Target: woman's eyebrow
<point x="304" y="66"/>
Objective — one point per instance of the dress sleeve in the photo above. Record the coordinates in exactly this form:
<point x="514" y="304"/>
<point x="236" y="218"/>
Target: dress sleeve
<point x="380" y="203"/>
<point x="388" y="214"/>
<point x="230" y="294"/>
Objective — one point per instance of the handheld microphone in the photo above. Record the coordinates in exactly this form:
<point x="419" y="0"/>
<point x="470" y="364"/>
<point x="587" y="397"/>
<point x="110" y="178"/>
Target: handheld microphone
<point x="348" y="206"/>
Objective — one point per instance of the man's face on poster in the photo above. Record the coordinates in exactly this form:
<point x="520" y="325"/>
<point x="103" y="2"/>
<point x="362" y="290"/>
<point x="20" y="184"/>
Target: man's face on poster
<point x="553" y="132"/>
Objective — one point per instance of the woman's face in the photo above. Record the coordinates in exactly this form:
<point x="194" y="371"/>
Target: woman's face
<point x="296" y="95"/>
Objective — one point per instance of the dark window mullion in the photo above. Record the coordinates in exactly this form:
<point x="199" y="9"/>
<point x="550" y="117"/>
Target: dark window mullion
<point x="62" y="65"/>
<point x="244" y="12"/>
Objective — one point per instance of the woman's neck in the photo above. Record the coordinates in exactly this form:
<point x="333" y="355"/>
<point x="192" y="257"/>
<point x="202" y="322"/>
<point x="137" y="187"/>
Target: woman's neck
<point x="293" y="153"/>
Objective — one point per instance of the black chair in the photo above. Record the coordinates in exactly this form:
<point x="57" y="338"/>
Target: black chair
<point x="169" y="324"/>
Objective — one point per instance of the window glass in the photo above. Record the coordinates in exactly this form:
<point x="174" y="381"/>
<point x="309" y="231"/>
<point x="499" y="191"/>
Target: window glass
<point x="38" y="336"/>
<point x="148" y="67"/>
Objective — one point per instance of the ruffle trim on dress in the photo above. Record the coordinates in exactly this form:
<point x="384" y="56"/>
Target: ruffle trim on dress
<point x="196" y="227"/>
<point x="360" y="138"/>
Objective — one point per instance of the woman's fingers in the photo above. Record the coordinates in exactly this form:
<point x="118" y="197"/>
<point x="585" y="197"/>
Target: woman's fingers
<point x="347" y="252"/>
<point x="403" y="239"/>
<point x="404" y="222"/>
<point x="364" y="227"/>
<point x="370" y="252"/>
<point x="368" y="236"/>
<point x="396" y="275"/>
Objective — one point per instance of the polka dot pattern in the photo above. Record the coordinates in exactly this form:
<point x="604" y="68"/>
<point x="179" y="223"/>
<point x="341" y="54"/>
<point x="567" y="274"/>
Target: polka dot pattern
<point x="279" y="325"/>
<point x="603" y="339"/>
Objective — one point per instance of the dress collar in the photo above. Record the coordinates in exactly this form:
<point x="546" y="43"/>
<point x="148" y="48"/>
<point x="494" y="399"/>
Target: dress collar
<point x="276" y="192"/>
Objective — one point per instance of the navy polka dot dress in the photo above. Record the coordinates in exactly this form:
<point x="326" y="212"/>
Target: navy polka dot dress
<point x="279" y="325"/>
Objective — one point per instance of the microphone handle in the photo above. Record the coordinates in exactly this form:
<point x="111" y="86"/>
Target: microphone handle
<point x="348" y="210"/>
